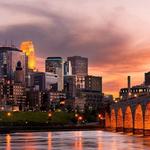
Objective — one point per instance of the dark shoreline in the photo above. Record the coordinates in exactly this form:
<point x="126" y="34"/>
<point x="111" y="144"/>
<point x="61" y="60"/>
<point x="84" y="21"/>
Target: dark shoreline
<point x="13" y="129"/>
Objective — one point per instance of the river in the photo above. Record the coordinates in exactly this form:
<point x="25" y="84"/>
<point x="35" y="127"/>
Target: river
<point x="73" y="140"/>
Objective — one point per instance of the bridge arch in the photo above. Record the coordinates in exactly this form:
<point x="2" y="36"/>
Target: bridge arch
<point x="113" y="119"/>
<point x="119" y="120"/>
<point x="128" y="120"/>
<point x="107" y="121"/>
<point x="138" y="120"/>
<point x="147" y="119"/>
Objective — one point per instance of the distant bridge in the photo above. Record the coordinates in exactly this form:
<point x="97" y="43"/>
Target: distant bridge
<point x="130" y="116"/>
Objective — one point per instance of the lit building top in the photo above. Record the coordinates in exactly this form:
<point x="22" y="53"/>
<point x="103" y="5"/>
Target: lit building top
<point x="28" y="48"/>
<point x="54" y="58"/>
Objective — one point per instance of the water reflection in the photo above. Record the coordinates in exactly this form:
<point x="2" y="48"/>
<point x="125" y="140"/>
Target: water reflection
<point x="75" y="140"/>
<point x="8" y="142"/>
<point x="78" y="140"/>
<point x="99" y="141"/>
<point x="28" y="141"/>
<point x="49" y="140"/>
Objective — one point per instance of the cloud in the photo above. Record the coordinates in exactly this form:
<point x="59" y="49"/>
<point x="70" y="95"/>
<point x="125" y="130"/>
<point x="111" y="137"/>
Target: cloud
<point x="103" y="39"/>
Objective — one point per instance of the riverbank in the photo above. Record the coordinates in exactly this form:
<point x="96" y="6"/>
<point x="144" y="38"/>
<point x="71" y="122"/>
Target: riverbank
<point x="12" y="129"/>
<point x="45" y="121"/>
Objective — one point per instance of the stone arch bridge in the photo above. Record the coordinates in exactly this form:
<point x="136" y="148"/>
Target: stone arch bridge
<point x="130" y="116"/>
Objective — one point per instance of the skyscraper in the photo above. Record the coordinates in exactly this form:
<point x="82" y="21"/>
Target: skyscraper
<point x="28" y="48"/>
<point x="67" y="68"/>
<point x="79" y="65"/>
<point x="70" y="86"/>
<point x="43" y="80"/>
<point x="93" y="83"/>
<point x="9" y="58"/>
<point x="55" y="65"/>
<point x="19" y="76"/>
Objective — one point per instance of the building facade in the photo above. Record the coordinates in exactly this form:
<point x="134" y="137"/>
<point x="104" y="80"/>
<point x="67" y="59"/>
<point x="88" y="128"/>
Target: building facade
<point x="67" y="68"/>
<point x="44" y="81"/>
<point x="79" y="65"/>
<point x="70" y="86"/>
<point x="12" y="95"/>
<point x="93" y="83"/>
<point x="90" y="93"/>
<point x="27" y="47"/>
<point x="9" y="57"/>
<point x="55" y="65"/>
<point x="135" y="91"/>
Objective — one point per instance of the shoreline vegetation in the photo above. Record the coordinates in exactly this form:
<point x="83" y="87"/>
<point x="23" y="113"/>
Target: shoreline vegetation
<point x="44" y="121"/>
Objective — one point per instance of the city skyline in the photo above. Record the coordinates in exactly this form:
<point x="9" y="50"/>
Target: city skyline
<point x="105" y="32"/>
<point x="75" y="74"/>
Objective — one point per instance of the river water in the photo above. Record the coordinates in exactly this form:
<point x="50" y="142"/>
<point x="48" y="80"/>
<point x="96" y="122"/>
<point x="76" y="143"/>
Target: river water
<point x="73" y="140"/>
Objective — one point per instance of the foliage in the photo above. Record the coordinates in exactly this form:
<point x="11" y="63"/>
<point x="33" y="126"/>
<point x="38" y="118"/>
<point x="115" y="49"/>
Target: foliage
<point x="35" y="118"/>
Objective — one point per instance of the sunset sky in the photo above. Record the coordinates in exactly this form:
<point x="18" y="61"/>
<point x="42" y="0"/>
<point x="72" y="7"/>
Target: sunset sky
<point x="113" y="34"/>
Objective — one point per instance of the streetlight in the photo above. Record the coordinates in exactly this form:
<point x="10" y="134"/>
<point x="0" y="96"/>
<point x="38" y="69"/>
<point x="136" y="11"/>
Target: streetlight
<point x="49" y="114"/>
<point x="100" y="116"/>
<point x="80" y="118"/>
<point x="76" y="115"/>
<point x="101" y="120"/>
<point x="8" y="114"/>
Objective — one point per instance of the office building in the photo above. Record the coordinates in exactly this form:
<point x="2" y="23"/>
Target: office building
<point x="80" y="82"/>
<point x="79" y="65"/>
<point x="55" y="65"/>
<point x="52" y="100"/>
<point x="93" y="83"/>
<point x="19" y="75"/>
<point x="33" y="99"/>
<point x="70" y="86"/>
<point x="44" y="81"/>
<point x="93" y="100"/>
<point x="80" y="103"/>
<point x="89" y="83"/>
<point x="28" y="48"/>
<point x="67" y="68"/>
<point x="90" y="93"/>
<point x="12" y="95"/>
<point x="9" y="58"/>
<point x="135" y="91"/>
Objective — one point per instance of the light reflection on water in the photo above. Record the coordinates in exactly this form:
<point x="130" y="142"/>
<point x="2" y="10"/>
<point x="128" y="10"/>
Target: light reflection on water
<point x="73" y="140"/>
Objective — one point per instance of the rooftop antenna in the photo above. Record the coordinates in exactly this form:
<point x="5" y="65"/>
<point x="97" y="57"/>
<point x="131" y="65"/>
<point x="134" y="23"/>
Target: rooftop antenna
<point x="5" y="43"/>
<point x="12" y="44"/>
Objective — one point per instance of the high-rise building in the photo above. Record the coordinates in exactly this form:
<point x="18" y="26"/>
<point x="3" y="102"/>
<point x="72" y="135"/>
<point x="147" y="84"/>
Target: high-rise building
<point x="90" y="92"/>
<point x="9" y="58"/>
<point x="70" y="86"/>
<point x="13" y="94"/>
<point x="79" y="65"/>
<point x="80" y="82"/>
<point x="33" y="99"/>
<point x="28" y="48"/>
<point x="147" y="78"/>
<point x="93" y="83"/>
<point x="55" y="65"/>
<point x="19" y="76"/>
<point x="67" y="68"/>
<point x="44" y="81"/>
